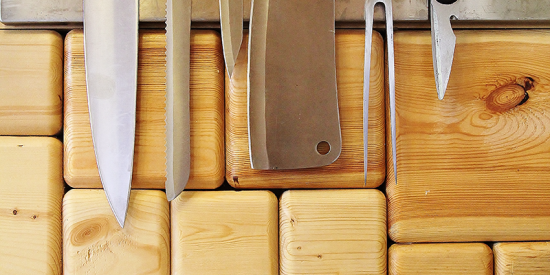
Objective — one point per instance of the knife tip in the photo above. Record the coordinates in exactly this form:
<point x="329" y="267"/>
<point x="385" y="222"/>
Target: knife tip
<point x="120" y="221"/>
<point x="120" y="211"/>
<point x="120" y="217"/>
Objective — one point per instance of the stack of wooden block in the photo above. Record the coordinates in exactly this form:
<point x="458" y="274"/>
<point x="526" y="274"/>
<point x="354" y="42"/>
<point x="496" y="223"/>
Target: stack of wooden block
<point x="473" y="178"/>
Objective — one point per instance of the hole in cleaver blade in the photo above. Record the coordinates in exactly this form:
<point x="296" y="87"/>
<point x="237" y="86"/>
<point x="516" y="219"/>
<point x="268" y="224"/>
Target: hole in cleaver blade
<point x="292" y="95"/>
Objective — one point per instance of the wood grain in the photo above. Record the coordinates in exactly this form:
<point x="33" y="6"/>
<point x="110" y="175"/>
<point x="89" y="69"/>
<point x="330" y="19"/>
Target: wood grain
<point x="332" y="232"/>
<point x="94" y="242"/>
<point x="347" y="171"/>
<point x="207" y="115"/>
<point x="456" y="258"/>
<point x="31" y="77"/>
<point x="531" y="258"/>
<point x="224" y="232"/>
<point x="31" y="190"/>
<point x="474" y="166"/>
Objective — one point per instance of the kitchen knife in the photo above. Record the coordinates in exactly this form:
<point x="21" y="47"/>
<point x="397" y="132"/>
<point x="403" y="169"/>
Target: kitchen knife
<point x="293" y="117"/>
<point x="231" y="21"/>
<point x="111" y="52"/>
<point x="178" y="149"/>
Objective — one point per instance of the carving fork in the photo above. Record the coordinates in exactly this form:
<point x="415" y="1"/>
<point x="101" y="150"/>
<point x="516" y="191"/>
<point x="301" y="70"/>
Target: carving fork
<point x="369" y="14"/>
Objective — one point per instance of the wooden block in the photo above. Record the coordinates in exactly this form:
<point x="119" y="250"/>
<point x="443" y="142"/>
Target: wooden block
<point x="474" y="166"/>
<point x="207" y="111"/>
<point x="31" y="190"/>
<point x="31" y="76"/>
<point x="94" y="242"/>
<point x="332" y="232"/>
<point x="347" y="171"/>
<point x="224" y="232"/>
<point x="522" y="258"/>
<point x="456" y="258"/>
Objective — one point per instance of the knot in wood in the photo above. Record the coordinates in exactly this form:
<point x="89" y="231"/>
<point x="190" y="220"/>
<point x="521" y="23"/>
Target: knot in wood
<point x="506" y="98"/>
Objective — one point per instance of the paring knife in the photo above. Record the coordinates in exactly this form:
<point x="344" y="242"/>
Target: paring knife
<point x="231" y="21"/>
<point x="443" y="41"/>
<point x="178" y="149"/>
<point x="293" y="116"/>
<point x="369" y="15"/>
<point x="111" y="58"/>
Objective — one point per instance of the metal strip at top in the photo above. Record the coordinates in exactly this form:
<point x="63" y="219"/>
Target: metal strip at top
<point x="70" y="11"/>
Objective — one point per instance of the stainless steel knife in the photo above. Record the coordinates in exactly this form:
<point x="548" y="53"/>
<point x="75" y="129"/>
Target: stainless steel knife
<point x="293" y="115"/>
<point x="231" y="22"/>
<point x="111" y="58"/>
<point x="178" y="137"/>
<point x="443" y="42"/>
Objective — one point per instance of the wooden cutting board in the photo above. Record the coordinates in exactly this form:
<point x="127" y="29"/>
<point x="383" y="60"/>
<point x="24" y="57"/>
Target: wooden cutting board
<point x="456" y="258"/>
<point x="332" y="232"/>
<point x="347" y="171"/>
<point x="224" y="232"/>
<point x="522" y="258"/>
<point x="31" y="190"/>
<point x="476" y="165"/>
<point x="31" y="77"/>
<point x="207" y="115"/>
<point x="94" y="242"/>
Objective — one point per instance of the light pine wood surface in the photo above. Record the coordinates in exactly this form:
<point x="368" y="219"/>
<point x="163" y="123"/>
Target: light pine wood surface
<point x="529" y="258"/>
<point x="207" y="114"/>
<point x="444" y="258"/>
<point x="224" y="232"/>
<point x="31" y="82"/>
<point x="347" y="171"/>
<point x="94" y="242"/>
<point x="31" y="190"/>
<point x="332" y="232"/>
<point x="475" y="165"/>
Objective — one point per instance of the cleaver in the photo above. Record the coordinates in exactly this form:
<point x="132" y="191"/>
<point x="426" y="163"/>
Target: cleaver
<point x="111" y="58"/>
<point x="293" y="118"/>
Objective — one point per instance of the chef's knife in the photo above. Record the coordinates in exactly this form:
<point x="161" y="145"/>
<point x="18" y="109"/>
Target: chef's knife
<point x="111" y="52"/>
<point x="293" y="115"/>
<point x="231" y="21"/>
<point x="178" y="149"/>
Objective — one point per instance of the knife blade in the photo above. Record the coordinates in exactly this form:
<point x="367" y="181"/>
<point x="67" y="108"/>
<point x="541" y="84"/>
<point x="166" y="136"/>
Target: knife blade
<point x="111" y="51"/>
<point x="293" y="117"/>
<point x="178" y="132"/>
<point x="443" y="43"/>
<point x="231" y="22"/>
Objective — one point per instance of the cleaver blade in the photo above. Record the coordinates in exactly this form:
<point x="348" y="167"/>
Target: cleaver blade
<point x="111" y="59"/>
<point x="293" y="117"/>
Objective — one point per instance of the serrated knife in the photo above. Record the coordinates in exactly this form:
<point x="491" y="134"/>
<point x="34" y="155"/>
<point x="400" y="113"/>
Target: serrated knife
<point x="178" y="149"/>
<point x="111" y="58"/>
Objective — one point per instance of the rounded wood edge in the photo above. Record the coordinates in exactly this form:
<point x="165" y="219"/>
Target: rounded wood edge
<point x="507" y="253"/>
<point x="394" y="254"/>
<point x="398" y="253"/>
<point x="55" y="155"/>
<point x="54" y="124"/>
